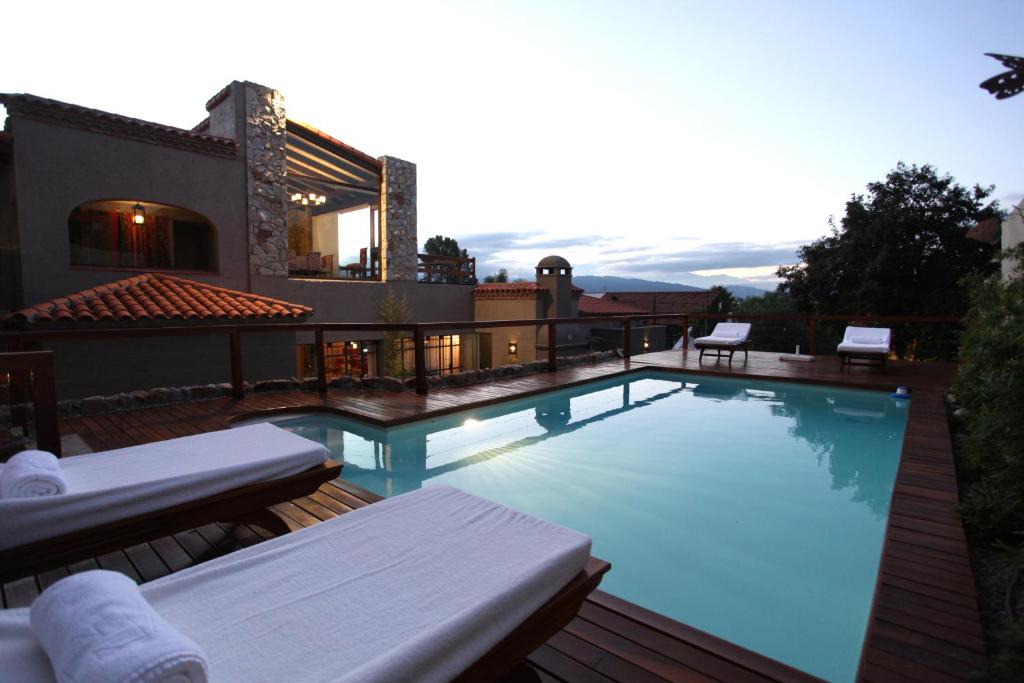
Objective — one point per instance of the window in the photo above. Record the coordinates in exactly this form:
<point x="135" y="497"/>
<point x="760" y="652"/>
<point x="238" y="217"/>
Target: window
<point x="443" y="354"/>
<point x="142" y="235"/>
<point x="342" y="358"/>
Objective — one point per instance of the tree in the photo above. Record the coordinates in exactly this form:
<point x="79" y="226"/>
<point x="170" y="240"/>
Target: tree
<point x="774" y="335"/>
<point x="899" y="250"/>
<point x="500" y="276"/>
<point x="722" y="300"/>
<point x="440" y="245"/>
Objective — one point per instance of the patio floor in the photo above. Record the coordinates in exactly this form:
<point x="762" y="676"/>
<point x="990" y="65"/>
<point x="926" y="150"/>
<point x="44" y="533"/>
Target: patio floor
<point x="924" y="627"/>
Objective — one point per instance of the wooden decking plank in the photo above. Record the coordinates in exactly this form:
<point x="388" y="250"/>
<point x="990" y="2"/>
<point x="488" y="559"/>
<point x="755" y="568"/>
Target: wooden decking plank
<point x="564" y="668"/>
<point x="20" y="592"/>
<point x="118" y="561"/>
<point x="147" y="561"/>
<point x="172" y="554"/>
<point x="48" y="578"/>
<point x="597" y="659"/>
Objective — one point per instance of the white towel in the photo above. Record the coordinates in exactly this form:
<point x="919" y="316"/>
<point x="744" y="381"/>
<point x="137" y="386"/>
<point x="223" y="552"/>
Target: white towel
<point x="31" y="474"/>
<point x="97" y="628"/>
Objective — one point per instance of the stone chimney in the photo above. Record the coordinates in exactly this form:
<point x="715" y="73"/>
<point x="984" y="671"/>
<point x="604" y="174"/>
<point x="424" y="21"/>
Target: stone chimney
<point x="399" y="243"/>
<point x="253" y="115"/>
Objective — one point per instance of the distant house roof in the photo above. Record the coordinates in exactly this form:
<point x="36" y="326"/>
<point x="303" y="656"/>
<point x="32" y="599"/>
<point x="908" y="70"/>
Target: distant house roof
<point x="662" y="302"/>
<point x="599" y="305"/>
<point x="105" y="123"/>
<point x="989" y="231"/>
<point x="514" y="290"/>
<point x="155" y="297"/>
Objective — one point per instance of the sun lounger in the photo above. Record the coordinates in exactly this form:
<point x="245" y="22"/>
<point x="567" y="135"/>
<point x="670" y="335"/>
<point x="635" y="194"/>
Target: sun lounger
<point x="865" y="343"/>
<point x="434" y="585"/>
<point x="121" y="497"/>
<point x="731" y="337"/>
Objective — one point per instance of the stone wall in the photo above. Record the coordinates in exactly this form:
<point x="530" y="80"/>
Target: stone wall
<point x="399" y="242"/>
<point x="265" y="138"/>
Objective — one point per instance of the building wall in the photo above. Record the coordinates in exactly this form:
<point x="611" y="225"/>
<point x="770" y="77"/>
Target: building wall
<point x="57" y="168"/>
<point x="350" y="301"/>
<point x="525" y="336"/>
<point x="103" y="367"/>
<point x="10" y="258"/>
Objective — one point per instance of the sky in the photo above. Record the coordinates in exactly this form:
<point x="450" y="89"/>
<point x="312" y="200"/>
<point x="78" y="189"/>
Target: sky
<point x="688" y="142"/>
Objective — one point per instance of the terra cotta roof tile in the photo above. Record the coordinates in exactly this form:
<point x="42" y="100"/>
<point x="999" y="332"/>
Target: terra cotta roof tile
<point x="156" y="296"/>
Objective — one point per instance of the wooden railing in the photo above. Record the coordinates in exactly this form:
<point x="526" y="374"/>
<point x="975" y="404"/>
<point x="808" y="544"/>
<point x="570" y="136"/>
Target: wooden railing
<point x="419" y="332"/>
<point x="30" y="380"/>
<point x="449" y="269"/>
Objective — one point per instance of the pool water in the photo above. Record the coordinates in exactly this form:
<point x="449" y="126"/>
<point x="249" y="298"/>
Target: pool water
<point x="752" y="510"/>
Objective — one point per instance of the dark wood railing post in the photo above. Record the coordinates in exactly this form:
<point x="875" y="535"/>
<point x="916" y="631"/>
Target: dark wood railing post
<point x="686" y="332"/>
<point x="813" y="350"/>
<point x="321" y="360"/>
<point x="552" y="347"/>
<point x="627" y="338"/>
<point x="44" y="400"/>
<point x="237" y="386"/>
<point x="420" y="358"/>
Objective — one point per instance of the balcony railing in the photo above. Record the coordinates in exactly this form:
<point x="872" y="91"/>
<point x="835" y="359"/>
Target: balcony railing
<point x="447" y="269"/>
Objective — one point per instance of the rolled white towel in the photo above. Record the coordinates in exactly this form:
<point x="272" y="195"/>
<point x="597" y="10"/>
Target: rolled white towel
<point x="97" y="628"/>
<point x="30" y="474"/>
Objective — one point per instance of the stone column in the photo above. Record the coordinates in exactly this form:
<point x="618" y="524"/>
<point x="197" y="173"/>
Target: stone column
<point x="266" y="166"/>
<point x="399" y="244"/>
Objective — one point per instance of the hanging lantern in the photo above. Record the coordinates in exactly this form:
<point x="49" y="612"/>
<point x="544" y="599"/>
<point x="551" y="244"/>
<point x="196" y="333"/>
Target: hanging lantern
<point x="138" y="214"/>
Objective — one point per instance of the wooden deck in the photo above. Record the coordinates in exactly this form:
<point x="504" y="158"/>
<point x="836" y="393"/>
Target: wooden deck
<point x="924" y="624"/>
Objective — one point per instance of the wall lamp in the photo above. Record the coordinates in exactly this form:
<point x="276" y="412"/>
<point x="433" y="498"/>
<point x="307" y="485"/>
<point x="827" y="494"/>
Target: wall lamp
<point x="138" y="214"/>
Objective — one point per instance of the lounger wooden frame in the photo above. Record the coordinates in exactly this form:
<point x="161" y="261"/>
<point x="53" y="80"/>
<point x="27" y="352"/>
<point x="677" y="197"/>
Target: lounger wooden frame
<point x="538" y="628"/>
<point x="245" y="503"/>
<point x="847" y="357"/>
<point x="718" y="348"/>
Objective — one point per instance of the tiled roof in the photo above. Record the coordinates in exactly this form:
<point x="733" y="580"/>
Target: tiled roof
<point x="513" y="290"/>
<point x="592" y="305"/>
<point x="96" y="121"/>
<point x="157" y="297"/>
<point x="989" y="230"/>
<point x="662" y="302"/>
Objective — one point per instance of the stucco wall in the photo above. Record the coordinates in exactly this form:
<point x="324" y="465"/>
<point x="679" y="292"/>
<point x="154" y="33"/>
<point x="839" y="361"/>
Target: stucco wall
<point x="58" y="168"/>
<point x="340" y="301"/>
<point x="104" y="367"/>
<point x="524" y="336"/>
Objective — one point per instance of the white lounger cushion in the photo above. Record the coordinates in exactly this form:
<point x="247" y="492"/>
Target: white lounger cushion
<point x="414" y="588"/>
<point x="866" y="340"/>
<point x="111" y="485"/>
<point x="726" y="334"/>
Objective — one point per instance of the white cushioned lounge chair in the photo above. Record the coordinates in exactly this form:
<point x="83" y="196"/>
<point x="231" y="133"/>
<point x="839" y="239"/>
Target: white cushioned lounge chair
<point x="121" y="497"/>
<point x="433" y="585"/>
<point x="731" y="337"/>
<point x="866" y="343"/>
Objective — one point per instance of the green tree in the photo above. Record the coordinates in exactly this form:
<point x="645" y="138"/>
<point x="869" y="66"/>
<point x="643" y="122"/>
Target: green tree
<point x="500" y="276"/>
<point x="393" y="309"/>
<point x="901" y="249"/>
<point x="722" y="300"/>
<point x="439" y="245"/>
<point x="774" y="335"/>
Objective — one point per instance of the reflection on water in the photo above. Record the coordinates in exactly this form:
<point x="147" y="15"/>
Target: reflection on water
<point x="751" y="510"/>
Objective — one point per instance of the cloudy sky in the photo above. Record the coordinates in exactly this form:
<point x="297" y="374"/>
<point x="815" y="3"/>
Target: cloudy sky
<point x="644" y="139"/>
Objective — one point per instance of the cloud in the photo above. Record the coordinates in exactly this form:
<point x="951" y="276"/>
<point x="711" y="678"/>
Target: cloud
<point x="707" y="257"/>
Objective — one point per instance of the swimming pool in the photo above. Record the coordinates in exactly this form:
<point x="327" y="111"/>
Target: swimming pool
<point x="752" y="510"/>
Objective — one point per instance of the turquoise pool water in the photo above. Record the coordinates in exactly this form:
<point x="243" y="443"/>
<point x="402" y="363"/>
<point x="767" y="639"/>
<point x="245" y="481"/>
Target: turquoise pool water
<point x="751" y="510"/>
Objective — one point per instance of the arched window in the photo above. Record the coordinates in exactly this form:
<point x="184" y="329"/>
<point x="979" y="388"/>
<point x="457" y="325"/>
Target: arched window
<point x="122" y="233"/>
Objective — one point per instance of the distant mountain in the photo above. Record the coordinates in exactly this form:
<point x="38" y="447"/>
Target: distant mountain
<point x="612" y="283"/>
